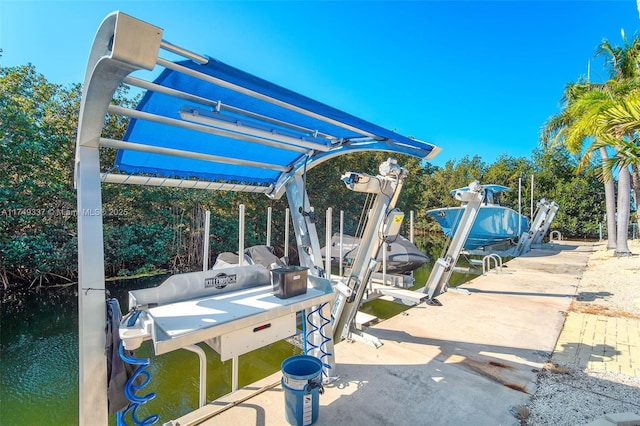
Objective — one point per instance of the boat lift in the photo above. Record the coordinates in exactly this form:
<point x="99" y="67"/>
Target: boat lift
<point x="548" y="219"/>
<point x="544" y="215"/>
<point x="205" y="125"/>
<point x="382" y="283"/>
<point x="383" y="222"/>
<point x="443" y="267"/>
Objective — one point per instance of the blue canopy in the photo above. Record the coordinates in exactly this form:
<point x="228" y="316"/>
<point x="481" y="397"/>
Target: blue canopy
<point x="251" y="131"/>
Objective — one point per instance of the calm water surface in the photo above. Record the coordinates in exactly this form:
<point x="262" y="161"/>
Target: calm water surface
<point x="39" y="357"/>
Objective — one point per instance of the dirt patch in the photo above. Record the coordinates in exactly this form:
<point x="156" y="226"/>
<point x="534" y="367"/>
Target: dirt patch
<point x="610" y="285"/>
<point x="598" y="309"/>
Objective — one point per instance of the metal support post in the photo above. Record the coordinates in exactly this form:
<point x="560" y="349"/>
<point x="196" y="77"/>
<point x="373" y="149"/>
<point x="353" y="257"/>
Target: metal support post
<point x="268" y="226"/>
<point x="304" y="219"/>
<point x="111" y="59"/>
<point x="387" y="187"/>
<point x="327" y="239"/>
<point x="202" y="357"/>
<point x="527" y="239"/>
<point x="548" y="219"/>
<point x="241" y="234"/>
<point x="234" y="374"/>
<point x="443" y="267"/>
<point x="411" y="225"/>
<point x="286" y="233"/>
<point x="205" y="255"/>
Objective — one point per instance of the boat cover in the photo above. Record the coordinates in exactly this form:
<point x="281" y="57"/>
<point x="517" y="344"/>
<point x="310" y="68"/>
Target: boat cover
<point x="402" y="256"/>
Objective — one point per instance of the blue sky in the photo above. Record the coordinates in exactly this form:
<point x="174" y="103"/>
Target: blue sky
<point x="473" y="77"/>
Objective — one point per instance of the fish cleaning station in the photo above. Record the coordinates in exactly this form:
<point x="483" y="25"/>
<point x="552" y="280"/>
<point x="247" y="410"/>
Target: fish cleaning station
<point x="204" y="125"/>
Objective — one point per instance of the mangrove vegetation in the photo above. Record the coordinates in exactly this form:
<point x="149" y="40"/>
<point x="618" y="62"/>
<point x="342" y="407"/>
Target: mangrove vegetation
<point x="148" y="229"/>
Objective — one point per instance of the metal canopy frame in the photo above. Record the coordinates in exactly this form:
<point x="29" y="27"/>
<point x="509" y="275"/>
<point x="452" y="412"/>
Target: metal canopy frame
<point x="124" y="45"/>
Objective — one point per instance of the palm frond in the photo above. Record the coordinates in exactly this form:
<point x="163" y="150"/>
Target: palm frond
<point x="622" y="118"/>
<point x="552" y="130"/>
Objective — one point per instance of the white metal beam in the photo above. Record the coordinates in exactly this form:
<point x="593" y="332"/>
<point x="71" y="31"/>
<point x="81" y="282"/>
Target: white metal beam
<point x="91" y="292"/>
<point x="193" y="125"/>
<point x="219" y="82"/>
<point x="192" y="114"/>
<point x="133" y="146"/>
<point x="121" y="45"/>
<point x="220" y="107"/>
<point x="183" y="183"/>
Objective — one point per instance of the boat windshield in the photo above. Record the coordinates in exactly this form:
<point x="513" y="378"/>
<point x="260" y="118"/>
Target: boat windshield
<point x="492" y="197"/>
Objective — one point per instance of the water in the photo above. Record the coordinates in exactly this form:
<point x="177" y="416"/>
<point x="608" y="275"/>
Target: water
<point x="39" y="357"/>
<point x="39" y="368"/>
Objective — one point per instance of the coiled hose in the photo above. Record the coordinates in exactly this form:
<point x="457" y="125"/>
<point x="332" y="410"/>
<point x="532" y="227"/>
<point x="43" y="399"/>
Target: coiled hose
<point x="130" y="388"/>
<point x="310" y="346"/>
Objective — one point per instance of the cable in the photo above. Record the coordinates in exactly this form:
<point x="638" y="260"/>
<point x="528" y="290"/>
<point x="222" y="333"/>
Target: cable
<point x="324" y="339"/>
<point x="130" y="387"/>
<point x="304" y="332"/>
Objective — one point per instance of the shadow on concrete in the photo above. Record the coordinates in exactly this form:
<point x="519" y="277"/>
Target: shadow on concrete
<point x="517" y="293"/>
<point x="462" y="385"/>
<point x="512" y="367"/>
<point x="552" y="249"/>
<point x="579" y="354"/>
<point x="590" y="296"/>
<point x="432" y="393"/>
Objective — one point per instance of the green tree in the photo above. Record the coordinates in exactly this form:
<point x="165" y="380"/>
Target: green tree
<point x="579" y="195"/>
<point x="509" y="171"/>
<point x="36" y="181"/>
<point x="584" y="118"/>
<point x="581" y="103"/>
<point x="455" y="174"/>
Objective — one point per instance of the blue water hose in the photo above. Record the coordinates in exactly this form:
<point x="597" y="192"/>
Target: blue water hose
<point x="325" y="338"/>
<point x="304" y="332"/>
<point x="130" y="388"/>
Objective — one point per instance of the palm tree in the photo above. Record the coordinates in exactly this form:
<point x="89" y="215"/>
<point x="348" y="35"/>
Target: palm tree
<point x="594" y="107"/>
<point x="572" y="126"/>
<point x="623" y="63"/>
<point x="603" y="113"/>
<point x="622" y="121"/>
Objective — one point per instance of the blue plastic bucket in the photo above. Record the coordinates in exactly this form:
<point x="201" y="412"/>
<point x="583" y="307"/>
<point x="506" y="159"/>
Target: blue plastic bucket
<point x="301" y="381"/>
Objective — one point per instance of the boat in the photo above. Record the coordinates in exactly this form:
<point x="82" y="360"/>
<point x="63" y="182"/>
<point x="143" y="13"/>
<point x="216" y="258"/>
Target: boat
<point x="494" y="224"/>
<point x="402" y="255"/>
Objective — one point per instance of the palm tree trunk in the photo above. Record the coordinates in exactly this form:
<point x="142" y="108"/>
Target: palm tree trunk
<point x="635" y="185"/>
<point x="610" y="201"/>
<point x="624" y="207"/>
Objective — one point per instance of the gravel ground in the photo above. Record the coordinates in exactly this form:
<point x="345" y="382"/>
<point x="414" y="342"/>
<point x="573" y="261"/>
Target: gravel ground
<point x="568" y="395"/>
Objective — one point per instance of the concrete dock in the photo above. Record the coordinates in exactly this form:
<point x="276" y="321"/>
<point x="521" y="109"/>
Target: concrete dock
<point x="470" y="361"/>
